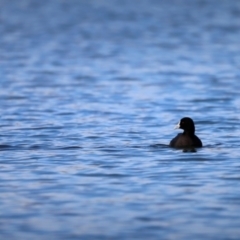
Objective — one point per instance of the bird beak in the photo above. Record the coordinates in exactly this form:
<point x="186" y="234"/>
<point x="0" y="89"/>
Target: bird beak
<point x="177" y="126"/>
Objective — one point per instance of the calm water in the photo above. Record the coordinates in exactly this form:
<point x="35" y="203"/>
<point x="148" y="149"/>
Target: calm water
<point x="90" y="94"/>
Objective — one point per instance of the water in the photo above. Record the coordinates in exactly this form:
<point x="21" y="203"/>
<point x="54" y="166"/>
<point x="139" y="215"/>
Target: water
<point x="90" y="94"/>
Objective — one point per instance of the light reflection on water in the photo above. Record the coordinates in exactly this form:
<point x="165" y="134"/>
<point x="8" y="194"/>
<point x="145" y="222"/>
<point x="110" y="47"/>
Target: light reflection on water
<point x="89" y="100"/>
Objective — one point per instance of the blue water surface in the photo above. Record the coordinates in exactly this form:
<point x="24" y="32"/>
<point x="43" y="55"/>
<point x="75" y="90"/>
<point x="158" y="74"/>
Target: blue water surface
<point x="90" y="94"/>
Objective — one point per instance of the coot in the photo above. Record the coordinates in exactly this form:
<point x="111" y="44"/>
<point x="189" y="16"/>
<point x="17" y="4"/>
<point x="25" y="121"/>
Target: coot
<point x="188" y="137"/>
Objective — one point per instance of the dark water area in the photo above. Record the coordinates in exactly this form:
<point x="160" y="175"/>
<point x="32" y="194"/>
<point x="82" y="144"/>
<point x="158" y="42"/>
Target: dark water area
<point x="90" y="94"/>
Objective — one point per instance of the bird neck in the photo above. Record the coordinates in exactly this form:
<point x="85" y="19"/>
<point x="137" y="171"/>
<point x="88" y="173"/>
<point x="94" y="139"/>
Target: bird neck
<point x="189" y="132"/>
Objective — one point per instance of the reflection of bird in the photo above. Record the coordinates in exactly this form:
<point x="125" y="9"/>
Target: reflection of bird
<point x="188" y="137"/>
